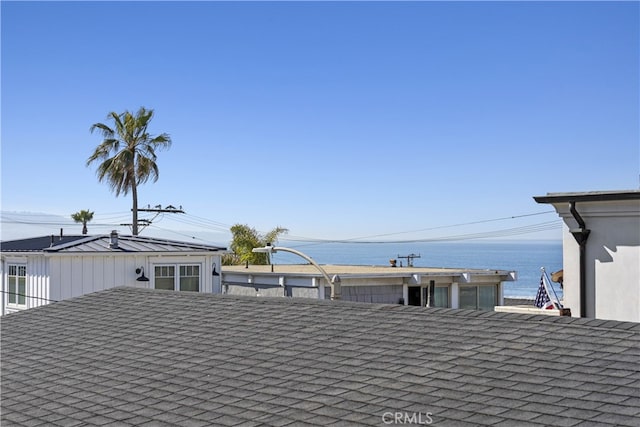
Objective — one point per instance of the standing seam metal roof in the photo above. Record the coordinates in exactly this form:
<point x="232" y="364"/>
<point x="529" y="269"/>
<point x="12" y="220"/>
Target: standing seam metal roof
<point x="100" y="244"/>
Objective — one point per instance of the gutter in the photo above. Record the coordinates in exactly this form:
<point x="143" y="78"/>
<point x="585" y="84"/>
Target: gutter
<point x="581" y="234"/>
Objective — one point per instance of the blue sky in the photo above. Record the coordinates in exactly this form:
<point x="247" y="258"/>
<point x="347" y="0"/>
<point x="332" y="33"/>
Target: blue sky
<point x="335" y="120"/>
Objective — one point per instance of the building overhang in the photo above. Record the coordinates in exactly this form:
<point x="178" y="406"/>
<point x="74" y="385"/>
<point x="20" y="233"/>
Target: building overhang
<point x="589" y="196"/>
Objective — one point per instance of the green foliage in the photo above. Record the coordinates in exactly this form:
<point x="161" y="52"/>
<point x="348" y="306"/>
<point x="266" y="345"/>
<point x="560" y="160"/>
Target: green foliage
<point x="245" y="239"/>
<point x="127" y="155"/>
<point x="83" y="216"/>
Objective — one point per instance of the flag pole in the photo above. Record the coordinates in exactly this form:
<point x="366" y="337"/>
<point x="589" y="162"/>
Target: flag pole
<point x="545" y="281"/>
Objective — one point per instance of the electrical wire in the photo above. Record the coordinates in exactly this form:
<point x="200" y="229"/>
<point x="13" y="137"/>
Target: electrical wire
<point x="28" y="296"/>
<point x="211" y="225"/>
<point x="362" y="239"/>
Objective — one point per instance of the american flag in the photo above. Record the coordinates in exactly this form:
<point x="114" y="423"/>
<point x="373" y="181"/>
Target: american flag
<point x="542" y="297"/>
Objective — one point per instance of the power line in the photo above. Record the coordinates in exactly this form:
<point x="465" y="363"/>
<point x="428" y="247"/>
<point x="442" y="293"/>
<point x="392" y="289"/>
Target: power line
<point x="27" y="296"/>
<point x="361" y="239"/>
<point x="207" y="224"/>
<point x="529" y="229"/>
<point x="182" y="234"/>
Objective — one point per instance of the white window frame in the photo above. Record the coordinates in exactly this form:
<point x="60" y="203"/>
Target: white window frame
<point x="176" y="277"/>
<point x="17" y="266"/>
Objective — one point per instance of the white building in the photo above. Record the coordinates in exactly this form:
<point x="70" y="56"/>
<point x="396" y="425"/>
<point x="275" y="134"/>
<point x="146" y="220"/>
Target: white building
<point x="434" y="287"/>
<point x="40" y="270"/>
<point x="601" y="252"/>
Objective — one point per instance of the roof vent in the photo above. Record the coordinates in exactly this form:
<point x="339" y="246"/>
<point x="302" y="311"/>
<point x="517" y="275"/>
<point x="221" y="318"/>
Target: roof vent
<point x="113" y="242"/>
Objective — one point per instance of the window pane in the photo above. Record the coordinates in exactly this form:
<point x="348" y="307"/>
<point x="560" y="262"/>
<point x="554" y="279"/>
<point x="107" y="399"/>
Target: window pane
<point x="164" y="283"/>
<point x="165" y="277"/>
<point x="487" y="300"/>
<point x="190" y="278"/>
<point x="22" y="290"/>
<point x="468" y="297"/>
<point x="189" y="284"/>
<point x="441" y="297"/>
<point x="13" y="288"/>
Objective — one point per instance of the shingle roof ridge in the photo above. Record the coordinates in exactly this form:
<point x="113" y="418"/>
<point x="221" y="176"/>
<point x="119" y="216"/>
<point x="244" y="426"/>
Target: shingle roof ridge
<point x="514" y="318"/>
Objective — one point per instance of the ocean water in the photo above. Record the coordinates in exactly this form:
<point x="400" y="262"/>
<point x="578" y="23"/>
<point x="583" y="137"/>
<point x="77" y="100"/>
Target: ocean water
<point x="524" y="257"/>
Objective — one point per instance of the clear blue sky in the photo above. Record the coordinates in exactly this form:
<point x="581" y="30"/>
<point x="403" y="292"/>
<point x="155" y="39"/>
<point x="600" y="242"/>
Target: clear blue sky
<point x="335" y="120"/>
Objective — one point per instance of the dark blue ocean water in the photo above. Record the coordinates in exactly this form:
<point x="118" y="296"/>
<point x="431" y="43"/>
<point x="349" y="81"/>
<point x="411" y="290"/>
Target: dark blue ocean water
<point x="526" y="258"/>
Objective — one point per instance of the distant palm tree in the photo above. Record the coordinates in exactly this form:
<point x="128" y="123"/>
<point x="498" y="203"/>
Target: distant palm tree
<point x="83" y="216"/>
<point x="244" y="239"/>
<point x="128" y="154"/>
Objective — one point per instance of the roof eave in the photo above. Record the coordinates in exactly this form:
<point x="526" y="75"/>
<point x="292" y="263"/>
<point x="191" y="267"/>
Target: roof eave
<point x="591" y="196"/>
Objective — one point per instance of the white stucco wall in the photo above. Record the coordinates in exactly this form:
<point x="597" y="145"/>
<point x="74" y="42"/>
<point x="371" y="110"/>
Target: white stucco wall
<point x="612" y="259"/>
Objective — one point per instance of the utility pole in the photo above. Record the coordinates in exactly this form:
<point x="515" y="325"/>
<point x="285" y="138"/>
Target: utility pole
<point x="410" y="258"/>
<point x="158" y="209"/>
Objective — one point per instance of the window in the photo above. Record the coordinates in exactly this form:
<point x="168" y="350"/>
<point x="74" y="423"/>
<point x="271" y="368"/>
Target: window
<point x="188" y="278"/>
<point x="487" y="297"/>
<point x="478" y="297"/>
<point x="17" y="284"/>
<point x="441" y="297"/>
<point x="165" y="277"/>
<point x="469" y="297"/>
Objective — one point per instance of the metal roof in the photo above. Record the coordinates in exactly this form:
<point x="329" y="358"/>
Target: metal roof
<point x="101" y="244"/>
<point x="36" y="244"/>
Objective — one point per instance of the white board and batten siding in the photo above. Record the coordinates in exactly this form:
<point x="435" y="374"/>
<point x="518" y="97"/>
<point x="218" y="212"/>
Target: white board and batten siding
<point x="77" y="265"/>
<point x="73" y="275"/>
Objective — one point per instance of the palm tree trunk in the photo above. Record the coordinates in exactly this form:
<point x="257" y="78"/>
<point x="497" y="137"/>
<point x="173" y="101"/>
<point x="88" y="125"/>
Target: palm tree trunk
<point x="134" y="194"/>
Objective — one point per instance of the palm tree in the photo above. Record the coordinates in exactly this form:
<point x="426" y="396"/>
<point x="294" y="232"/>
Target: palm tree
<point x="245" y="239"/>
<point x="128" y="154"/>
<point x="83" y="216"/>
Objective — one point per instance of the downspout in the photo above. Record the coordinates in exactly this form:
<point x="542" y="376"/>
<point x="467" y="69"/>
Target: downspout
<point x="581" y="235"/>
<point x="2" y="287"/>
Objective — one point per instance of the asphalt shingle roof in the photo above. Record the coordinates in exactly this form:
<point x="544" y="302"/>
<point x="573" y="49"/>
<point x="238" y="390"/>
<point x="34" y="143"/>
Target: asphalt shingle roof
<point x="142" y="357"/>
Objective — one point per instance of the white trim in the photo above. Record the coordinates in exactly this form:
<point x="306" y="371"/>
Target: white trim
<point x="16" y="305"/>
<point x="176" y="277"/>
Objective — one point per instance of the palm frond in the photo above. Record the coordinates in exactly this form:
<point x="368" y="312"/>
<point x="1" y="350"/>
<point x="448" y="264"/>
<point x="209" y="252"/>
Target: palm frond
<point x="127" y="155"/>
